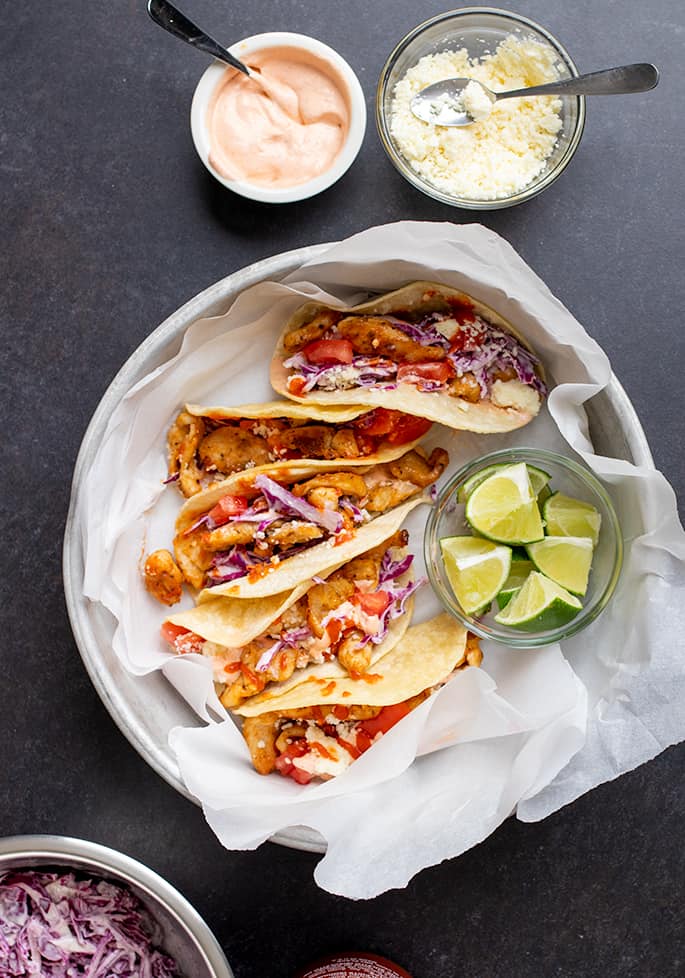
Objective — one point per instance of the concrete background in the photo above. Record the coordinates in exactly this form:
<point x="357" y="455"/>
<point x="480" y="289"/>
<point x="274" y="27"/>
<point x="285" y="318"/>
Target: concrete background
<point x="109" y="223"/>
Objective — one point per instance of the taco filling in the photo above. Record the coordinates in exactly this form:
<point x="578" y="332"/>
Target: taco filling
<point x="320" y="742"/>
<point x="453" y="350"/>
<point x="250" y="534"/>
<point x="205" y="448"/>
<point x="344" y="617"/>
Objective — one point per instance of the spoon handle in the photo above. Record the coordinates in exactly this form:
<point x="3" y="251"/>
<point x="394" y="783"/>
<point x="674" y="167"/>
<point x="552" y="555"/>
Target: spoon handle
<point x="171" y="19"/>
<point x="611" y="81"/>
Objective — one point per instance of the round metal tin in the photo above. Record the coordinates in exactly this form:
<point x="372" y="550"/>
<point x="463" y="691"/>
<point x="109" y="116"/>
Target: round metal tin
<point x="145" y="708"/>
<point x="183" y="933"/>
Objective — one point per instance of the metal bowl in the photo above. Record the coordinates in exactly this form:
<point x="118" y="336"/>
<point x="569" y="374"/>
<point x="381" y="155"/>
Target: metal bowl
<point x="183" y="934"/>
<point x="146" y="708"/>
<point x="479" y="30"/>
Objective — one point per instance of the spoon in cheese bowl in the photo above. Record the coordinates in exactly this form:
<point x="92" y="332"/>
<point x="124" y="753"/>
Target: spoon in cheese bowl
<point x="170" y="18"/>
<point x="462" y="101"/>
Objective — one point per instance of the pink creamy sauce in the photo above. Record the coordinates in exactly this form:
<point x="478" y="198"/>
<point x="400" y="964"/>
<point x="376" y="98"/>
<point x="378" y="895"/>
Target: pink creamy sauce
<point x="284" y="137"/>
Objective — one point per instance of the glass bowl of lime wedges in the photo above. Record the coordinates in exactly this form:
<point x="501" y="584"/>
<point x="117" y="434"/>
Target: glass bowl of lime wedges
<point x="523" y="547"/>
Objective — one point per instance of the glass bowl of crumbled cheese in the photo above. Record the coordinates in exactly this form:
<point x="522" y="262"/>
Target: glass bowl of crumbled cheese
<point x="513" y="153"/>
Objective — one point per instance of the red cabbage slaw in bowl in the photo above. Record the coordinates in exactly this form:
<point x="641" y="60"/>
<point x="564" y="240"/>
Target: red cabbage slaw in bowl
<point x="56" y="925"/>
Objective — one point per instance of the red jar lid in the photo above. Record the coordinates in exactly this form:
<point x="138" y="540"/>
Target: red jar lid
<point x="353" y="964"/>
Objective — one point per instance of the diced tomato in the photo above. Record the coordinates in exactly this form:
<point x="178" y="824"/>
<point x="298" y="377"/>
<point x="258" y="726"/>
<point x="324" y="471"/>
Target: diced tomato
<point x="387" y="718"/>
<point x="284" y="762"/>
<point x="334" y="630"/>
<point x="398" y="427"/>
<point x="296" y="385"/>
<point x="372" y="602"/>
<point x="408" y="428"/>
<point x="418" y="373"/>
<point x="171" y="632"/>
<point x="329" y="351"/>
<point x="226" y="507"/>
<point x="364" y="740"/>
<point x="182" y="640"/>
<point x="381" y="421"/>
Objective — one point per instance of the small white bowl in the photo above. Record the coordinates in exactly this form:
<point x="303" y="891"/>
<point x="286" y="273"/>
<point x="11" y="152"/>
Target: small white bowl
<point x="344" y="159"/>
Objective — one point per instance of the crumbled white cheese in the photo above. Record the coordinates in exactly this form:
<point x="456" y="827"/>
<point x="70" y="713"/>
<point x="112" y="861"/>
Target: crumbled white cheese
<point x="476" y="101"/>
<point x="339" y="378"/>
<point x="501" y="154"/>
<point x="263" y="430"/>
<point x="515" y="394"/>
<point x="315" y="764"/>
<point x="447" y="327"/>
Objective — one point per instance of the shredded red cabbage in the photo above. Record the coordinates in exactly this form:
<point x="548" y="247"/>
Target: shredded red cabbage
<point x="172" y="478"/>
<point x="391" y="569"/>
<point x="264" y="661"/>
<point x="485" y="351"/>
<point x="288" y="639"/>
<point x="362" y="372"/>
<point x="284" y="501"/>
<point x="55" y="926"/>
<point x="197" y="524"/>
<point x="424" y="332"/>
<point x="358" y="515"/>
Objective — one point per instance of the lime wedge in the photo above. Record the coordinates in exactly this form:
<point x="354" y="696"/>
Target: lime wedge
<point x="538" y="480"/>
<point x="544" y="495"/>
<point x="567" y="517"/>
<point x="565" y="560"/>
<point x="505" y="596"/>
<point x="539" y="605"/>
<point x="476" y="569"/>
<point x="520" y="569"/>
<point x="504" y="507"/>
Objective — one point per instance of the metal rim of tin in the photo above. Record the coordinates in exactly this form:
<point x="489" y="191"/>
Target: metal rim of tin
<point x="34" y="851"/>
<point x="159" y="346"/>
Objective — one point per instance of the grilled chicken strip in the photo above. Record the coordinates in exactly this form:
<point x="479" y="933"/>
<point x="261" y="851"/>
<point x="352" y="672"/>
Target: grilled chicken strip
<point x="317" y="441"/>
<point x="163" y="578"/>
<point x="374" y="336"/>
<point x="326" y="597"/>
<point x="182" y="440"/>
<point x="231" y="449"/>
<point x="311" y="331"/>
<point x="346" y="484"/>
<point x="415" y="467"/>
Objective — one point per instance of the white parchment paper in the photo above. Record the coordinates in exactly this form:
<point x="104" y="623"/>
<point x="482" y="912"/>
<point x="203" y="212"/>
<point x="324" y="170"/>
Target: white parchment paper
<point x="526" y="733"/>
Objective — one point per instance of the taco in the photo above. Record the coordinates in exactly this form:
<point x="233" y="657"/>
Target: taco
<point x="268" y="529"/>
<point x="207" y="444"/>
<point x="326" y="719"/>
<point x="353" y="618"/>
<point x="426" y="349"/>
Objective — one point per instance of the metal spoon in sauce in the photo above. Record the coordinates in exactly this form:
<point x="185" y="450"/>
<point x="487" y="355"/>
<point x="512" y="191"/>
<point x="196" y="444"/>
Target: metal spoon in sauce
<point x="442" y="104"/>
<point x="169" y="17"/>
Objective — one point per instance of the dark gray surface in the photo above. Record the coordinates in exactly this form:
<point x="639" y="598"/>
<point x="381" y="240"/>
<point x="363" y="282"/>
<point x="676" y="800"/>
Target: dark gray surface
<point x="109" y="223"/>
